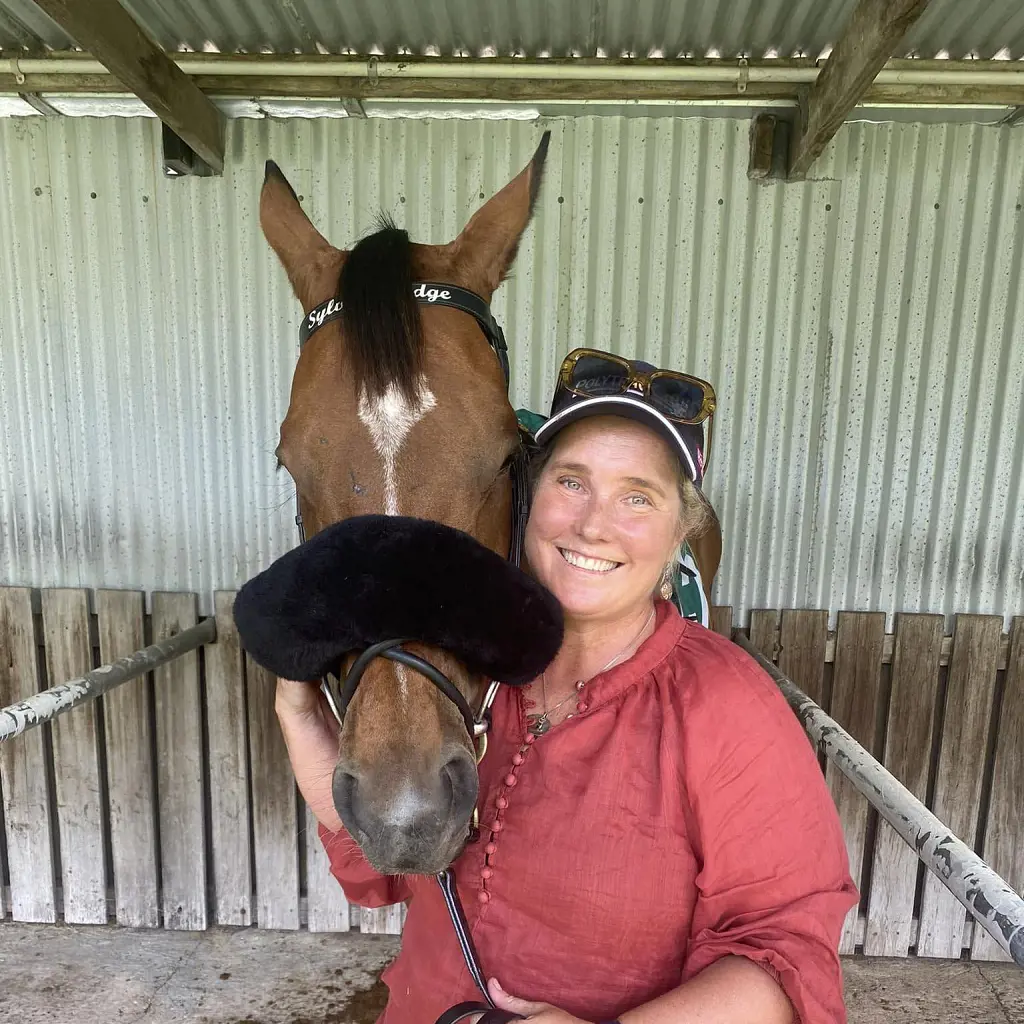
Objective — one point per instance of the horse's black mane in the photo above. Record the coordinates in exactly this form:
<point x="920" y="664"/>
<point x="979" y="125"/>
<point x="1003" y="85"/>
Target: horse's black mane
<point x="380" y="317"/>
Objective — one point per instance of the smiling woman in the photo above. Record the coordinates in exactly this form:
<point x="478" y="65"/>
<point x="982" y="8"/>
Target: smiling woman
<point x="657" y="844"/>
<point x="601" y="536"/>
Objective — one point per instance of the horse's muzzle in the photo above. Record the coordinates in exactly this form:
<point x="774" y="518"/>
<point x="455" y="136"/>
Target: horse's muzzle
<point x="408" y="824"/>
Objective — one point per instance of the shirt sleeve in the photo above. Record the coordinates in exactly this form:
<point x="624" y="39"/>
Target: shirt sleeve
<point x="774" y="883"/>
<point x="361" y="883"/>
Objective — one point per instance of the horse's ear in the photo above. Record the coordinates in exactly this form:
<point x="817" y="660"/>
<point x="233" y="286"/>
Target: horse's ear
<point x="307" y="257"/>
<point x="489" y="242"/>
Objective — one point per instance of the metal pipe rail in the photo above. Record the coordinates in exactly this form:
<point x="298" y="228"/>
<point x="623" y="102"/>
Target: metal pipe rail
<point x="769" y="72"/>
<point x="42" y="707"/>
<point x="987" y="896"/>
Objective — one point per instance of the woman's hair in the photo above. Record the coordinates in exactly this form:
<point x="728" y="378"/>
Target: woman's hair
<point x="696" y="513"/>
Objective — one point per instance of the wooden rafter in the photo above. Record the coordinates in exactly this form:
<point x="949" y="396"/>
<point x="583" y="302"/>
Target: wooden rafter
<point x="867" y="42"/>
<point x="111" y="35"/>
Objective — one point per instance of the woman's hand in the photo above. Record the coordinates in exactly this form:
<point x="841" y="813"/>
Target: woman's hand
<point x="311" y="734"/>
<point x="540" y="1013"/>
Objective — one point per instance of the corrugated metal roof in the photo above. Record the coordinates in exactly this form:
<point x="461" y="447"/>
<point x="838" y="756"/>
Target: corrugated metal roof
<point x="23" y="26"/>
<point x="865" y="333"/>
<point x="668" y="28"/>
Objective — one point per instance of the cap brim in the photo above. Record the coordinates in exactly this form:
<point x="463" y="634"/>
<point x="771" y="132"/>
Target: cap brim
<point x="620" y="405"/>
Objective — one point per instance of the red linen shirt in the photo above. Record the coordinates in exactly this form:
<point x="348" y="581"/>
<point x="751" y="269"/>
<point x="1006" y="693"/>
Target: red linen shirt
<point x="680" y="816"/>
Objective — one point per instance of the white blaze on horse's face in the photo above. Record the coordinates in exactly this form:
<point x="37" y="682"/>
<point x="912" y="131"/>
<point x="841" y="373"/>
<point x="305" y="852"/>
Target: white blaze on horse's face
<point x="389" y="418"/>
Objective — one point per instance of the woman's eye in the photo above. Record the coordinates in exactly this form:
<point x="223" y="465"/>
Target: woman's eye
<point x="570" y="483"/>
<point x="639" y="500"/>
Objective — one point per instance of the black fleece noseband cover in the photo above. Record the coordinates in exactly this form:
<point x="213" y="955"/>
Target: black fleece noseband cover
<point x="372" y="578"/>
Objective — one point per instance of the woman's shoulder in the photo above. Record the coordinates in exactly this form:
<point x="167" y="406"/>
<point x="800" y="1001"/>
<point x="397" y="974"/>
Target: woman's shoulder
<point x="712" y="676"/>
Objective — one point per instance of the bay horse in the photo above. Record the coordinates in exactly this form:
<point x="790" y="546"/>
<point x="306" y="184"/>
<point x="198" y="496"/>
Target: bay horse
<point x="401" y="408"/>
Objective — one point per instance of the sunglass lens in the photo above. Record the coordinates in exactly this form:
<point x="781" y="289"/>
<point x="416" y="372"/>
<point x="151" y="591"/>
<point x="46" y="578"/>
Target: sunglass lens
<point x="678" y="398"/>
<point x="595" y="375"/>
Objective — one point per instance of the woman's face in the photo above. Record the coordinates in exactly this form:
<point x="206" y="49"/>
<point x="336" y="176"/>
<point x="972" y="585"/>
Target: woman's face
<point x="605" y="517"/>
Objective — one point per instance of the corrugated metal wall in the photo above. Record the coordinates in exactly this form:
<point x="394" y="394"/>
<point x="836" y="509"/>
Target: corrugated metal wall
<point x="865" y="332"/>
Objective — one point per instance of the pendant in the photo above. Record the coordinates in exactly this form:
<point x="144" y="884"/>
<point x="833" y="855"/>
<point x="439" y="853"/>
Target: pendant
<point x="537" y="724"/>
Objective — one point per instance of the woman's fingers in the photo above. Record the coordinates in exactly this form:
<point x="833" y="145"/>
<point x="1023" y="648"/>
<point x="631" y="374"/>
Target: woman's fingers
<point x="303" y="705"/>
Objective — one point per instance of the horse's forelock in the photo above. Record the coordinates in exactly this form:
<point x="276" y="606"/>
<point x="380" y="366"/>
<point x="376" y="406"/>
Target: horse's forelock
<point x="380" y="316"/>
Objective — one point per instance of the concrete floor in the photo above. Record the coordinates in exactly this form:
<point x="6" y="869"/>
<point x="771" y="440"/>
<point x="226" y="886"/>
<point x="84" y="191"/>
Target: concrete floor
<point x="76" y="975"/>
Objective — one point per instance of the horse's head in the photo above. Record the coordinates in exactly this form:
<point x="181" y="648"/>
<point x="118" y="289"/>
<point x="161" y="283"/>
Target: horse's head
<point x="401" y="408"/>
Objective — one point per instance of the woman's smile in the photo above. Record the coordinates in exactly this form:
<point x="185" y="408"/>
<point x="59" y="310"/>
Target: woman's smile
<point x="588" y="563"/>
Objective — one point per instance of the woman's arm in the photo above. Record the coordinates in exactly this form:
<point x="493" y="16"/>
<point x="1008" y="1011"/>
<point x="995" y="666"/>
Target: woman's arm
<point x="732" y="990"/>
<point x="311" y="735"/>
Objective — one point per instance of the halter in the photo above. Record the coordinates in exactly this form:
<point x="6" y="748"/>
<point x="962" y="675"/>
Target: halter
<point x="431" y="293"/>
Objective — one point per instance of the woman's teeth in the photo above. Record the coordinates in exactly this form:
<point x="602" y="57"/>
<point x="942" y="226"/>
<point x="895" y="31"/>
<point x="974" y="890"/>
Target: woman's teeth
<point x="591" y="564"/>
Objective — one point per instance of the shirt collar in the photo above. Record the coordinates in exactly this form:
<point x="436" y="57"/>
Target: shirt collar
<point x="669" y="627"/>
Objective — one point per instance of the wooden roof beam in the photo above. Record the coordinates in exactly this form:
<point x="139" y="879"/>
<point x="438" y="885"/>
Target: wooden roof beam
<point x="873" y="32"/>
<point x="112" y="36"/>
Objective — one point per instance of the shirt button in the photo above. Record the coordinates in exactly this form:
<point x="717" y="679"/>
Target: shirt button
<point x="510" y="780"/>
<point x="580" y="685"/>
<point x="491" y="849"/>
<point x="582" y="706"/>
<point x="517" y="759"/>
<point x="501" y="803"/>
<point x="528" y="740"/>
<point x="486" y="873"/>
<point x="498" y="826"/>
<point x="483" y="896"/>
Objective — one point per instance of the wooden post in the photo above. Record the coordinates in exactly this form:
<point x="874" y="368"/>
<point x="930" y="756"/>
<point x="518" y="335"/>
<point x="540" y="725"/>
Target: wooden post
<point x="959" y="778"/>
<point x="908" y="754"/>
<point x="130" y="792"/>
<point x="867" y="42"/>
<point x="76" y="762"/>
<point x="856" y="684"/>
<point x="180" y="774"/>
<point x="111" y="35"/>
<point x="26" y="798"/>
<point x="230" y="810"/>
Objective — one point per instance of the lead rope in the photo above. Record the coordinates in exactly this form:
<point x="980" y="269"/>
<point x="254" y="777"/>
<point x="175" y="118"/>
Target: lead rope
<point x="446" y="878"/>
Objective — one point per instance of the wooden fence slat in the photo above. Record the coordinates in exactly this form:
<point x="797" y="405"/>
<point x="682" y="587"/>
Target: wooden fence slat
<point x="274" y="807"/>
<point x="76" y="761"/>
<point x="720" y="620"/>
<point x="23" y="770"/>
<point x="1004" y="832"/>
<point x="855" y="691"/>
<point x="230" y="821"/>
<point x="3" y="847"/>
<point x="968" y="711"/>
<point x="327" y="908"/>
<point x="179" y="745"/>
<point x="907" y="754"/>
<point x="132" y="801"/>
<point x="382" y="920"/>
<point x="803" y="636"/>
<point x="764" y="632"/>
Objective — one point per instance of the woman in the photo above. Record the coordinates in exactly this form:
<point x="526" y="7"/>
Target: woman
<point x="657" y="845"/>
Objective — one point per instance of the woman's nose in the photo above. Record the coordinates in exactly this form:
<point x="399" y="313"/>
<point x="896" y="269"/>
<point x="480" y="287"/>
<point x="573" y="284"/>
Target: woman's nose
<point x="593" y="522"/>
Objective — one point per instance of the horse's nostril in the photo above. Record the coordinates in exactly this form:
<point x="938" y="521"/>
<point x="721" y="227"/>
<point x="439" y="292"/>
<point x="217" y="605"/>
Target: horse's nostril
<point x="460" y="773"/>
<point x="343" y="791"/>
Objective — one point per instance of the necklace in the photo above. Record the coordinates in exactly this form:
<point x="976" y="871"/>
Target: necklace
<point x="539" y="724"/>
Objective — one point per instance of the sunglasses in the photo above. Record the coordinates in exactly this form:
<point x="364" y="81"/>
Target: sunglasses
<point x="679" y="397"/>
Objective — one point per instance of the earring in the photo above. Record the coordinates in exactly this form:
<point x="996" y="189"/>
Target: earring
<point x="666" y="583"/>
